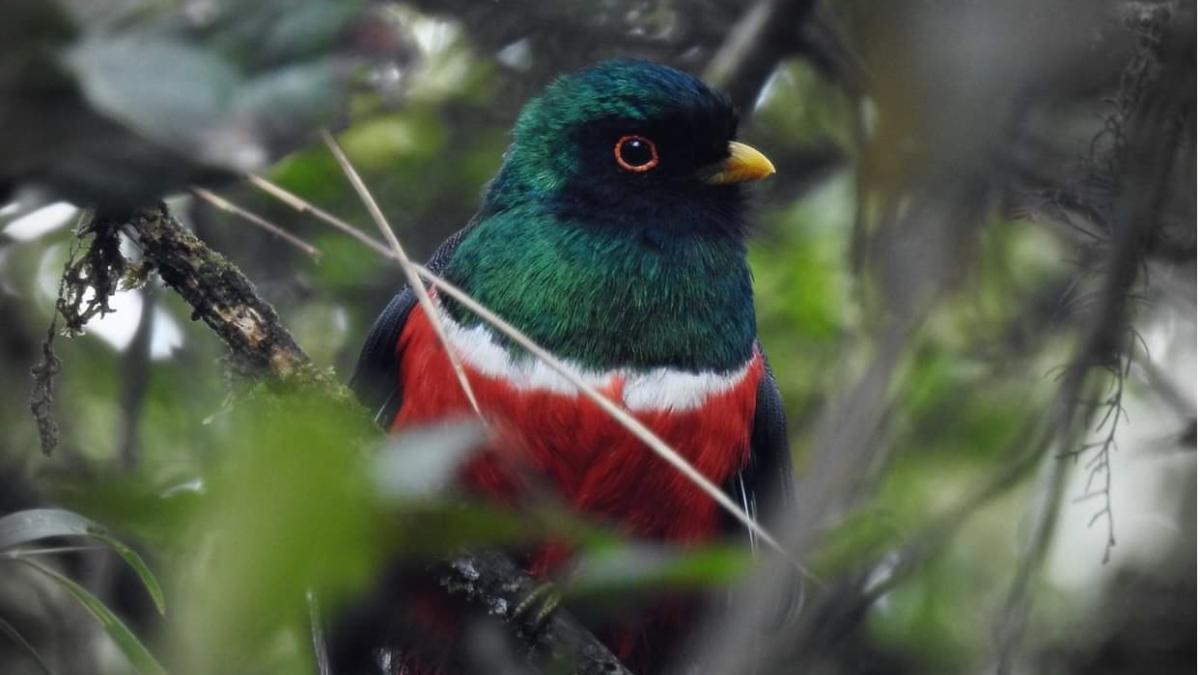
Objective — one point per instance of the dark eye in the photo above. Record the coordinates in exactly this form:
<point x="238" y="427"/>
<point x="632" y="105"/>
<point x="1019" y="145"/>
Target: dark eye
<point x="636" y="153"/>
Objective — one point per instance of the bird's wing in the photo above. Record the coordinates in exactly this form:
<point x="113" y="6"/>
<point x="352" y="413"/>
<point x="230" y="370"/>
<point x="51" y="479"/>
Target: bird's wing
<point x="766" y="481"/>
<point x="376" y="378"/>
<point x="766" y="484"/>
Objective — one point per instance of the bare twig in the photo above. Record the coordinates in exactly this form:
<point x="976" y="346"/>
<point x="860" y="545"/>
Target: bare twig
<point x="410" y="272"/>
<point x="767" y="33"/>
<point x="229" y="207"/>
<point x="303" y="206"/>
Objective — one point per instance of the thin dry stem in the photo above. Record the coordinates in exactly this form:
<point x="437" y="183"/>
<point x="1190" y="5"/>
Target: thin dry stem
<point x="302" y="206"/>
<point x="410" y="272"/>
<point x="255" y="219"/>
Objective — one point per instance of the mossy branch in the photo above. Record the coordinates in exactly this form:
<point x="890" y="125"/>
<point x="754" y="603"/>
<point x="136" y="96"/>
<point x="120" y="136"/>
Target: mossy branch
<point x="222" y="297"/>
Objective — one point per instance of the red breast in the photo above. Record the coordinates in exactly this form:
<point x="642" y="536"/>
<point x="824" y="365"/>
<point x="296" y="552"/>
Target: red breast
<point x="595" y="464"/>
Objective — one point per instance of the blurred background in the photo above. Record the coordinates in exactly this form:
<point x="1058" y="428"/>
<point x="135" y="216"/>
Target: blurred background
<point x="974" y="273"/>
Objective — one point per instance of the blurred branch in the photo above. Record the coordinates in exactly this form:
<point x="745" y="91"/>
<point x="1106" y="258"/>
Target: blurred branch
<point x="1148" y="140"/>
<point x="493" y="580"/>
<point x="226" y="300"/>
<point x="135" y="380"/>
<point x="931" y="539"/>
<point x="229" y="207"/>
<point x="1166" y="390"/>
<point x="765" y="35"/>
<point x="1153" y="138"/>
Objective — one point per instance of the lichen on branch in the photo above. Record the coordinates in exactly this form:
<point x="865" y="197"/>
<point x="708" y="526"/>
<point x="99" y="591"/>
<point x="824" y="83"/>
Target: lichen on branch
<point x="221" y="296"/>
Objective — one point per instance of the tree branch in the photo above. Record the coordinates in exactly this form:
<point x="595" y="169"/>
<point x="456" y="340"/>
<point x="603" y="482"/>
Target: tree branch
<point x="1143" y="159"/>
<point x="766" y="34"/>
<point x="492" y="580"/>
<point x="219" y="294"/>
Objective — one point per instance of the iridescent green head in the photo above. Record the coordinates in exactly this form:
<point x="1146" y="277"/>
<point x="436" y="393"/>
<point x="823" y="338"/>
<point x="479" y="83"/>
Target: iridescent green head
<point x="631" y="140"/>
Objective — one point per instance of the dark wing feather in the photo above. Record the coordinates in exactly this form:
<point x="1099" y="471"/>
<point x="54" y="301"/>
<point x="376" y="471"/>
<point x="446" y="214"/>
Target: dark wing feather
<point x="376" y="378"/>
<point x="766" y="481"/>
<point x="766" y="484"/>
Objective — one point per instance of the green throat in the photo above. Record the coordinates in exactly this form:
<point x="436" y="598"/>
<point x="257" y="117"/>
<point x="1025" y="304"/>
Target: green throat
<point x="611" y="298"/>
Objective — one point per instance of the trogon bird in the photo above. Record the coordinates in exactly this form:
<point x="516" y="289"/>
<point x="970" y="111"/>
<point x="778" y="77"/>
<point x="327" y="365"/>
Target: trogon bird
<point x="614" y="235"/>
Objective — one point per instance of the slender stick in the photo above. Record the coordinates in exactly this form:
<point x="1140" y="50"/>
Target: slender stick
<point x="230" y="207"/>
<point x="51" y="550"/>
<point x="410" y="272"/>
<point x="317" y="630"/>
<point x="302" y="206"/>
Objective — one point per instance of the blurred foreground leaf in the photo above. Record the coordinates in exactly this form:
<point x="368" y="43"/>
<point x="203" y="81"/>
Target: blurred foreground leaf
<point x="129" y="644"/>
<point x="24" y="527"/>
<point x="113" y="103"/>
<point x="135" y="81"/>
<point x="639" y="566"/>
<point x="289" y="508"/>
<point x="424" y="462"/>
<point x="155" y="511"/>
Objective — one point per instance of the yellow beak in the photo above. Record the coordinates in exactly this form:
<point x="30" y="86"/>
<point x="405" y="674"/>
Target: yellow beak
<point x="744" y="164"/>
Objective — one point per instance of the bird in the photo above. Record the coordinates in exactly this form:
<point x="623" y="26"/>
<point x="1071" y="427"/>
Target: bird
<point x="614" y="235"/>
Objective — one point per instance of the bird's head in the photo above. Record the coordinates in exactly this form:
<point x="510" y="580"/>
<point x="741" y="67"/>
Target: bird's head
<point x="629" y="142"/>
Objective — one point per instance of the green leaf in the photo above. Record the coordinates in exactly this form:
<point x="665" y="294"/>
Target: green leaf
<point x="126" y="641"/>
<point x="170" y="92"/>
<point x="8" y="629"/>
<point x="630" y="567"/>
<point x="290" y="508"/>
<point x="139" y="567"/>
<point x="424" y="462"/>
<point x="24" y="527"/>
<point x="304" y="90"/>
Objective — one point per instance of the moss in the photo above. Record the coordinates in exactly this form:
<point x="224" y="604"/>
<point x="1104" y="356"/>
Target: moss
<point x="222" y="297"/>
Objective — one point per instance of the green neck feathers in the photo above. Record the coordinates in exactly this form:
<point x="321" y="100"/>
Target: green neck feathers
<point x="637" y="298"/>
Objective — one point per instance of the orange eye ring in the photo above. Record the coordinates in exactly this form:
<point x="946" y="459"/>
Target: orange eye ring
<point x="637" y="145"/>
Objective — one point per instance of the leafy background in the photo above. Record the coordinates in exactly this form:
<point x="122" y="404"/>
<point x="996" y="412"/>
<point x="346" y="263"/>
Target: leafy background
<point x="947" y="168"/>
